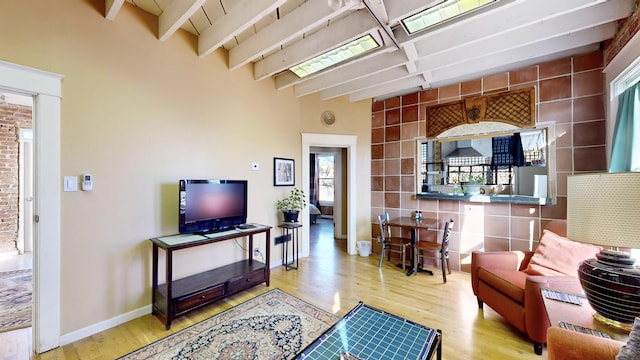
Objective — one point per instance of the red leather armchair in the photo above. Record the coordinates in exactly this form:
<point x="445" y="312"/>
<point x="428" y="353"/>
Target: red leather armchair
<point x="571" y="345"/>
<point x="500" y="281"/>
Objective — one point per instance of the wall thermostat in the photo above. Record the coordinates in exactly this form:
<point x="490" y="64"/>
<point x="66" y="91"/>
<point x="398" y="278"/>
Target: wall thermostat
<point x="87" y="182"/>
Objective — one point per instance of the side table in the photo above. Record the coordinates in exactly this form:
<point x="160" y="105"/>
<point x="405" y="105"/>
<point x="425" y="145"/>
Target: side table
<point x="581" y="315"/>
<point x="290" y="233"/>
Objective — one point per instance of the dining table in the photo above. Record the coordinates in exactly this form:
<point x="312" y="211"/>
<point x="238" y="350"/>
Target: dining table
<point x="414" y="225"/>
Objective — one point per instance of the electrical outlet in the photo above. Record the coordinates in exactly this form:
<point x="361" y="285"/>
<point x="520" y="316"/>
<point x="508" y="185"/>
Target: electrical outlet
<point x="256" y="251"/>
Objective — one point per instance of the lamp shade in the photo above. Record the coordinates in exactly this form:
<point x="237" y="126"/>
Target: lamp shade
<point x="602" y="210"/>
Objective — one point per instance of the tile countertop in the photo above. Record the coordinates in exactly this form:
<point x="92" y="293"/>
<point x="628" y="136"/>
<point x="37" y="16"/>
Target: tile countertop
<point x="500" y="198"/>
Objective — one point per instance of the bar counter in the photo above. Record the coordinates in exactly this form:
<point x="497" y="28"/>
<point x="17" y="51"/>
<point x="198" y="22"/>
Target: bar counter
<point x="498" y="198"/>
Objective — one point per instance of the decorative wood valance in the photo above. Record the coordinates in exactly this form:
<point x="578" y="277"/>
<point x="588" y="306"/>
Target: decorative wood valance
<point x="517" y="107"/>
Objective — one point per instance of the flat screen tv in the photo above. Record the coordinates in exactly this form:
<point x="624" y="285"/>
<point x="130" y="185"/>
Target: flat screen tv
<point x="207" y="206"/>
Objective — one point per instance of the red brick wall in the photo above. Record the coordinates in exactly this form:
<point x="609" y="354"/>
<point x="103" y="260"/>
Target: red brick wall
<point x="12" y="118"/>
<point x="627" y="28"/>
<point x="569" y="92"/>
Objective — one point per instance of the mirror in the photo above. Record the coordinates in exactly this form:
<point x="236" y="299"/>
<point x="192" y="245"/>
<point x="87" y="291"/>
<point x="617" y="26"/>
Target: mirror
<point x="513" y="162"/>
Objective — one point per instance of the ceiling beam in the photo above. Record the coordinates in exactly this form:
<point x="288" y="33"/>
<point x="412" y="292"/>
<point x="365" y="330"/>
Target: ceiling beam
<point x="537" y="32"/>
<point x="415" y="81"/>
<point x="531" y="51"/>
<point x="398" y="10"/>
<point x="379" y="13"/>
<point x="523" y="63"/>
<point x="448" y="52"/>
<point x="530" y="54"/>
<point x="336" y="34"/>
<point x="412" y="55"/>
<point x="176" y="14"/>
<point x="382" y="79"/>
<point x="516" y="16"/>
<point x="512" y="14"/>
<point x="242" y="16"/>
<point x="603" y="13"/>
<point x="304" y="18"/>
<point x="111" y="8"/>
<point x="378" y="9"/>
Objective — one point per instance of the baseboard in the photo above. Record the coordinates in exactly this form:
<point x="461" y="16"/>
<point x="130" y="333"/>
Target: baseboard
<point x="104" y="325"/>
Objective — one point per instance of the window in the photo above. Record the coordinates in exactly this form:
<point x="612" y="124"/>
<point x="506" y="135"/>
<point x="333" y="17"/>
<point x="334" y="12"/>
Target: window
<point x="445" y="11"/>
<point x="326" y="178"/>
<point x="468" y="169"/>
<point x="336" y="56"/>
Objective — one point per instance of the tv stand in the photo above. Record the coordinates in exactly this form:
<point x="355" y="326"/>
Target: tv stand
<point x="176" y="297"/>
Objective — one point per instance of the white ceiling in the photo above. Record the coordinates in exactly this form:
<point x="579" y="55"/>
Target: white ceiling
<point x="276" y="34"/>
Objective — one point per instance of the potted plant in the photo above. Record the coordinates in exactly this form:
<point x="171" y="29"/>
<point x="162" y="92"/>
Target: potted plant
<point x="472" y="187"/>
<point x="292" y="204"/>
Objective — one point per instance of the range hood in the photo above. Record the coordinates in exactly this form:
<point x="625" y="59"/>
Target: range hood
<point x="464" y="148"/>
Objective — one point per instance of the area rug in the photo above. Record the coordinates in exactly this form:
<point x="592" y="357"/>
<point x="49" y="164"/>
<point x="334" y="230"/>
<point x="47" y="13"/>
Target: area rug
<point x="15" y="299"/>
<point x="274" y="325"/>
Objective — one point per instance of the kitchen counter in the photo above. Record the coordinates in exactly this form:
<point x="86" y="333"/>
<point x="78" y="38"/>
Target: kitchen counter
<point x="499" y="198"/>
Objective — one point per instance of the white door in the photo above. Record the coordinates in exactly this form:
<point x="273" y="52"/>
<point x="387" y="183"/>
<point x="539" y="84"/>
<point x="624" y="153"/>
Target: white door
<point x="25" y="226"/>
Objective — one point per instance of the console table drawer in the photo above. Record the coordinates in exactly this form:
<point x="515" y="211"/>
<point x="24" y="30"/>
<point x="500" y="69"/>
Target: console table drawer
<point x="200" y="298"/>
<point x="245" y="282"/>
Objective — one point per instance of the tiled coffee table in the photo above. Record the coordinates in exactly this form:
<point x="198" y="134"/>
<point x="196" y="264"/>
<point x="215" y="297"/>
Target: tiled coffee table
<point x="369" y="333"/>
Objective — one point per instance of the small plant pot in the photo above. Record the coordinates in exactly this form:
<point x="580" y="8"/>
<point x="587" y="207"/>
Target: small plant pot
<point x="291" y="215"/>
<point x="471" y="189"/>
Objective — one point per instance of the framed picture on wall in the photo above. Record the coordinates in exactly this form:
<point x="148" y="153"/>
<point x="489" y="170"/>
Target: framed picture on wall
<point x="284" y="172"/>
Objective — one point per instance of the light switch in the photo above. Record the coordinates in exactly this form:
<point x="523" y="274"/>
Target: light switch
<point x="70" y="183"/>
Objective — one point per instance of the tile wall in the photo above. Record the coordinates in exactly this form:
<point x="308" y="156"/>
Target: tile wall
<point x="569" y="92"/>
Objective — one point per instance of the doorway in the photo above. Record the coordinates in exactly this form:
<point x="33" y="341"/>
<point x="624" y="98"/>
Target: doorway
<point x="16" y="237"/>
<point x="327" y="184"/>
<point x="348" y="142"/>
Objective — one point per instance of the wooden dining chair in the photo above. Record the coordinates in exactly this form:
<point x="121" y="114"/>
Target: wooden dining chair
<point x="435" y="250"/>
<point x="389" y="243"/>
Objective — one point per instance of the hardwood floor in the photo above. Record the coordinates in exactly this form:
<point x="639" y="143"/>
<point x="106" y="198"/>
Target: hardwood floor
<point x="334" y="281"/>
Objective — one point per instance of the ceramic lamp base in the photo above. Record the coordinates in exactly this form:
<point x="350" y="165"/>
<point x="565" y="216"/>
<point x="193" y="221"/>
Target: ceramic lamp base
<point x="612" y="286"/>
<point x="613" y="323"/>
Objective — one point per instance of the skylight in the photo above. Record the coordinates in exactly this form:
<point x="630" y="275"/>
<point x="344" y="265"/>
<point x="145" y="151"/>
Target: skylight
<point x="440" y="13"/>
<point x="335" y="56"/>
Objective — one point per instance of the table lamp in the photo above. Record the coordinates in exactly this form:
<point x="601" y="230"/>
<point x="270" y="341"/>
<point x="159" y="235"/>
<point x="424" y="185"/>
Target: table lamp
<point x="602" y="209"/>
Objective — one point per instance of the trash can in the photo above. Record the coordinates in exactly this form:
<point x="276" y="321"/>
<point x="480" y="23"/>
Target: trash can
<point x="364" y="247"/>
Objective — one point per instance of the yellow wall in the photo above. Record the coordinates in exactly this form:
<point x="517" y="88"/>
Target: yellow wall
<point x="349" y="121"/>
<point x="139" y="114"/>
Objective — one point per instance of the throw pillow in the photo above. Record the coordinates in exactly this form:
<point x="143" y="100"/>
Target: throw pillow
<point x="556" y="256"/>
<point x="631" y="350"/>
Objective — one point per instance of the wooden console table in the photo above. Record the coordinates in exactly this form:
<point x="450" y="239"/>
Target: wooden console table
<point x="176" y="297"/>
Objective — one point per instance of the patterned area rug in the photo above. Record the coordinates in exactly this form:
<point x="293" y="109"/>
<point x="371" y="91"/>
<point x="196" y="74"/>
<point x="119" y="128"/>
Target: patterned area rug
<point x="274" y="325"/>
<point x="15" y="299"/>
